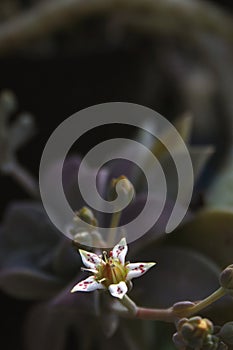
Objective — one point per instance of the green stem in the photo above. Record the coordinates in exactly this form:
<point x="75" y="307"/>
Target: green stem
<point x="115" y="220"/>
<point x="203" y="303"/>
<point x="129" y="304"/>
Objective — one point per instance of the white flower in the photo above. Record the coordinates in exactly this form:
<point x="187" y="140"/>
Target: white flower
<point x="110" y="273"/>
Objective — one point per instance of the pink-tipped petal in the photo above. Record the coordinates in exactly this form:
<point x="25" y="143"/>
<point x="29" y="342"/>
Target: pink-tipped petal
<point x="118" y="290"/>
<point x="90" y="260"/>
<point x="138" y="269"/>
<point x="87" y="285"/>
<point x="120" y="251"/>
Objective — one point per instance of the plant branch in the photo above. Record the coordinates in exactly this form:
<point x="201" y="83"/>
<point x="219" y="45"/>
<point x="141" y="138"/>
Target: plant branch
<point x="165" y="315"/>
<point x="219" y="293"/>
<point x="23" y="178"/>
<point x="171" y="314"/>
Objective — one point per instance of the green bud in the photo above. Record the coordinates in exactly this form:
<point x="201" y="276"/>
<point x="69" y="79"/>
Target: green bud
<point x="124" y="186"/>
<point x="8" y="102"/>
<point x="226" y="333"/>
<point x="196" y="332"/>
<point x="83" y="228"/>
<point x="85" y="214"/>
<point x="226" y="278"/>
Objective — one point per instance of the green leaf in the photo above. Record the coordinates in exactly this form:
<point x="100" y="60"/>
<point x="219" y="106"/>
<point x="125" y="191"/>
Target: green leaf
<point x="27" y="284"/>
<point x="210" y="233"/>
<point x="220" y="194"/>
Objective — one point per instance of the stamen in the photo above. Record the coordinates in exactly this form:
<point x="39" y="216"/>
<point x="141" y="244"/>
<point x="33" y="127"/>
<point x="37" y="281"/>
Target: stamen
<point x="105" y="256"/>
<point x="89" y="270"/>
<point x="102" y="280"/>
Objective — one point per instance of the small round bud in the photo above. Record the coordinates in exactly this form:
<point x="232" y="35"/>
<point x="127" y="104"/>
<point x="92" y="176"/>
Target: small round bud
<point x="226" y="333"/>
<point x="8" y="102"/>
<point x="178" y="341"/>
<point x="121" y="186"/>
<point x="182" y="306"/>
<point x="86" y="215"/>
<point x="226" y="278"/>
<point x="83" y="228"/>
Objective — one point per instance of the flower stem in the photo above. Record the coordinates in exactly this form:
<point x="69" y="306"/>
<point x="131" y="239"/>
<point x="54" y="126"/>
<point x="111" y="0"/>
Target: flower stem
<point x="115" y="220"/>
<point x="129" y="304"/>
<point x="203" y="303"/>
<point x="170" y="314"/>
<point x="165" y="315"/>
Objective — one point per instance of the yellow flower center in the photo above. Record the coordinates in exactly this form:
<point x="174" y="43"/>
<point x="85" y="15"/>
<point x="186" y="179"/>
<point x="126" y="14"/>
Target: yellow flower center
<point x="112" y="272"/>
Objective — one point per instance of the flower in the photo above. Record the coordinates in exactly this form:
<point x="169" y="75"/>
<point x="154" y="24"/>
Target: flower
<point x="112" y="273"/>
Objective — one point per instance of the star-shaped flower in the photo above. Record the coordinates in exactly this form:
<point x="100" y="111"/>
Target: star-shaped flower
<point x="110" y="273"/>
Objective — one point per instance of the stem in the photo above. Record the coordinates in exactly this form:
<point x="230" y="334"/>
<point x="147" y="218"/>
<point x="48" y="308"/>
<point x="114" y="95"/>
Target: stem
<point x="129" y="304"/>
<point x="115" y="220"/>
<point x="165" y="315"/>
<point x="203" y="303"/>
<point x="170" y="315"/>
<point x="24" y="178"/>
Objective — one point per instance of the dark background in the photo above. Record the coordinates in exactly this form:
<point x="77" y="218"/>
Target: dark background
<point x="54" y="85"/>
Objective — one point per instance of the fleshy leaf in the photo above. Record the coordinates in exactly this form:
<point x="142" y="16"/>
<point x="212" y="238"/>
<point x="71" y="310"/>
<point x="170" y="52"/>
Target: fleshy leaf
<point x="26" y="224"/>
<point x="178" y="275"/>
<point x="24" y="283"/>
<point x="210" y="233"/>
<point x="64" y="314"/>
<point x="220" y="194"/>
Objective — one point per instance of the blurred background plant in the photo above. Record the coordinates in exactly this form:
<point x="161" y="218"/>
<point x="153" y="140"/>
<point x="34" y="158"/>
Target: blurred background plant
<point x="61" y="56"/>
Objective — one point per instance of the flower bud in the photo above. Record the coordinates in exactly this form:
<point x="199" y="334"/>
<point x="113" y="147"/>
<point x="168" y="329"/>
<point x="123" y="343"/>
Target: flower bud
<point x="8" y="102"/>
<point x="196" y="332"/>
<point x="83" y="227"/>
<point x="182" y="306"/>
<point x="85" y="214"/>
<point x="226" y="278"/>
<point x="226" y="333"/>
<point x="123" y="186"/>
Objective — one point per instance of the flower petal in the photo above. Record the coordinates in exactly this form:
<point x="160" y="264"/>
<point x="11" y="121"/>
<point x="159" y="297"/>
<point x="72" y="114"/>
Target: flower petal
<point x="138" y="269"/>
<point x="87" y="285"/>
<point x="90" y="260"/>
<point x="118" y="290"/>
<point x="120" y="250"/>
